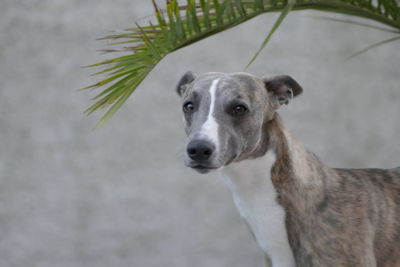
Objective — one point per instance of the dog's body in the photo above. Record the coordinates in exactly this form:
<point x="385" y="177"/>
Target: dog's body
<point x="333" y="217"/>
<point x="301" y="212"/>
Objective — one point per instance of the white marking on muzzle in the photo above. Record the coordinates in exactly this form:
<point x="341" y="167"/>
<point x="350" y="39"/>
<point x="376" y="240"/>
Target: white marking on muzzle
<point x="209" y="129"/>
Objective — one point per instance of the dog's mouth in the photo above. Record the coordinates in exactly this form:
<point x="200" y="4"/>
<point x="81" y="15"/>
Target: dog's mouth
<point x="203" y="169"/>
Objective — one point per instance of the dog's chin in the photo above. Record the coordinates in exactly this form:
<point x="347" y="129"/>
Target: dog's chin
<point x="203" y="169"/>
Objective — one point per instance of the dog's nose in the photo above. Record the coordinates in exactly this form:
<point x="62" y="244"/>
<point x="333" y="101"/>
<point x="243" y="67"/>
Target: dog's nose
<point x="200" y="150"/>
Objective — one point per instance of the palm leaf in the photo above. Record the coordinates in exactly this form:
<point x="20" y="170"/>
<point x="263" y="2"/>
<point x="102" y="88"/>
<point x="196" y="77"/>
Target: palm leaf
<point x="357" y="23"/>
<point x="374" y="46"/>
<point x="278" y="22"/>
<point x="179" y="25"/>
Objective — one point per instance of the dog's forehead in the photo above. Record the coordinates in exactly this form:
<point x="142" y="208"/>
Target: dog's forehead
<point x="235" y="84"/>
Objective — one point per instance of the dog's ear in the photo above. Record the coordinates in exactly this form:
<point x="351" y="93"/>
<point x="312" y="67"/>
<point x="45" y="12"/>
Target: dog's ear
<point x="282" y="89"/>
<point x="186" y="79"/>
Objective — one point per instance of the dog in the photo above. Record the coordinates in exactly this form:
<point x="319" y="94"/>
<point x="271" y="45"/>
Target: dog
<point x="300" y="211"/>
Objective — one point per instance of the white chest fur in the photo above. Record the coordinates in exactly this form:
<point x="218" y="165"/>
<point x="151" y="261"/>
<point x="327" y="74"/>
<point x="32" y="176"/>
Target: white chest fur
<point x="255" y="197"/>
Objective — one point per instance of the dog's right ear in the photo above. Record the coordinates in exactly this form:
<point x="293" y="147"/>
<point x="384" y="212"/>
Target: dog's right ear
<point x="186" y="80"/>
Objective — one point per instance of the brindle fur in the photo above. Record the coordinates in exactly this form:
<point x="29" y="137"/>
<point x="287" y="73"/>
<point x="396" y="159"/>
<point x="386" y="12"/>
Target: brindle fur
<point x="335" y="217"/>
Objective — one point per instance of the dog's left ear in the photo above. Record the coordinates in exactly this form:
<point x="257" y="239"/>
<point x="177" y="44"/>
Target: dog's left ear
<point x="183" y="83"/>
<point x="282" y="89"/>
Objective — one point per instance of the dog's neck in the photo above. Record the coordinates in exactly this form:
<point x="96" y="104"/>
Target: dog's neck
<point x="271" y="181"/>
<point x="279" y="178"/>
<point x="296" y="171"/>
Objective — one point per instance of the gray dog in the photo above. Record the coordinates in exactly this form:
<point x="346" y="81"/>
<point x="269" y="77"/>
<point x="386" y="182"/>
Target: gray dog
<point x="301" y="212"/>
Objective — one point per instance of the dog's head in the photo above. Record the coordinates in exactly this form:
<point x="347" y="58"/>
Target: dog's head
<point x="224" y="114"/>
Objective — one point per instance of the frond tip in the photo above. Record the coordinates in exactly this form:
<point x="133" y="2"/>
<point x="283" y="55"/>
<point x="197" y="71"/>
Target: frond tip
<point x="177" y="26"/>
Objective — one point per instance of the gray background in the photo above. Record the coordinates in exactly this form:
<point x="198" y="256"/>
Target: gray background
<point x="120" y="196"/>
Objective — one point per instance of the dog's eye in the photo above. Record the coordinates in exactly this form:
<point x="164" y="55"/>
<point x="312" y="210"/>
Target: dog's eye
<point x="188" y="107"/>
<point x="239" y="110"/>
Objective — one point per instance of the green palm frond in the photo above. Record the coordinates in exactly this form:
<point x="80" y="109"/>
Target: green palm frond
<point x="179" y="25"/>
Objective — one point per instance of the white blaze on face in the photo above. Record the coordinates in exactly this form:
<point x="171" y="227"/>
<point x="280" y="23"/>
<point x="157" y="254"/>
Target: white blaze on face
<point x="209" y="129"/>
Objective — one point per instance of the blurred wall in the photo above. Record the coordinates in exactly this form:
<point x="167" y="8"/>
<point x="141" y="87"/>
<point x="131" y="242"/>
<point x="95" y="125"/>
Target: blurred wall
<point x="121" y="196"/>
